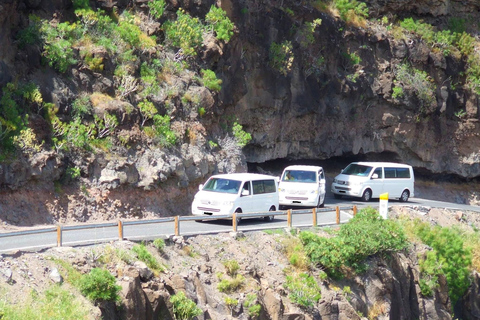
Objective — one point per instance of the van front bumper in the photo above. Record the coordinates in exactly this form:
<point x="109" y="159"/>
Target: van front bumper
<point x="345" y="191"/>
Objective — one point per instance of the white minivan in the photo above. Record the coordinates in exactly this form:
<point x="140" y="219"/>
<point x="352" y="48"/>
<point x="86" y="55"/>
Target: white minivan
<point x="224" y="194"/>
<point x="302" y="186"/>
<point x="367" y="180"/>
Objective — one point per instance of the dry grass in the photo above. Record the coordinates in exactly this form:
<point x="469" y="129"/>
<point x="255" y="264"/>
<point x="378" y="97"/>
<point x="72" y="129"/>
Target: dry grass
<point x="98" y="98"/>
<point x="378" y="309"/>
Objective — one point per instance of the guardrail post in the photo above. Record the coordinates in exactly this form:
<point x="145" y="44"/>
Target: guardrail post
<point x="234" y="222"/>
<point x="337" y="209"/>
<point x="354" y="211"/>
<point x="59" y="236"/>
<point x="289" y="218"/>
<point x="314" y="213"/>
<point x="177" y="226"/>
<point x="120" y="230"/>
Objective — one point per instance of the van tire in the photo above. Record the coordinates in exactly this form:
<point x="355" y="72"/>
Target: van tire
<point x="269" y="218"/>
<point x="337" y="196"/>
<point x="404" y="196"/>
<point x="367" y="195"/>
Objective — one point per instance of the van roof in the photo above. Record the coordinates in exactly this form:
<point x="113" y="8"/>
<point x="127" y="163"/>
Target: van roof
<point x="303" y="167"/>
<point x="382" y="164"/>
<point x="244" y="176"/>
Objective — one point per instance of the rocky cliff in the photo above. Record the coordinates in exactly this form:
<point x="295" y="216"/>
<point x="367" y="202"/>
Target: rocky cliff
<point x="305" y="79"/>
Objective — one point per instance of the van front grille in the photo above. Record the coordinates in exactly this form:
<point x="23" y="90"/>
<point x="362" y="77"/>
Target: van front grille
<point x="296" y="198"/>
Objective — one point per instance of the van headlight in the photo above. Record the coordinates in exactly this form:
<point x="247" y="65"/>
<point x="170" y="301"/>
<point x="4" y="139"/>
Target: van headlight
<point x="281" y="190"/>
<point x="226" y="203"/>
<point x="335" y="180"/>
<point x="314" y="191"/>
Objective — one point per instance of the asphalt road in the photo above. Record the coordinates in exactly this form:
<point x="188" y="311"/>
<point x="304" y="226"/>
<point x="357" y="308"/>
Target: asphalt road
<point x="146" y="230"/>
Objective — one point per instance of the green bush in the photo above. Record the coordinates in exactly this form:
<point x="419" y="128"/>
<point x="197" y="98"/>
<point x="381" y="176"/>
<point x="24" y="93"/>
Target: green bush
<point x="159" y="243"/>
<point x="417" y="81"/>
<point x="281" y="56"/>
<point x="232" y="267"/>
<point x="303" y="289"/>
<point x="99" y="285"/>
<point x="81" y="106"/>
<point x="157" y="7"/>
<point x="58" y="43"/>
<point x="450" y="257"/>
<point x="350" y="9"/>
<point x="232" y="284"/>
<point x="184" y="308"/>
<point x="221" y="24"/>
<point x="144" y="255"/>
<point x="185" y="32"/>
<point x="252" y="306"/>
<point x="56" y="303"/>
<point x="31" y="34"/>
<point x="365" y="235"/>
<point x="161" y="126"/>
<point x="210" y="81"/>
<point x="242" y="137"/>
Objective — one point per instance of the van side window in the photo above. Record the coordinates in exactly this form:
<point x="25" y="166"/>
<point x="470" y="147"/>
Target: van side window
<point x="390" y="173"/>
<point x="246" y="186"/>
<point x="397" y="173"/>
<point x="379" y="172"/>
<point x="403" y="173"/>
<point x="263" y="186"/>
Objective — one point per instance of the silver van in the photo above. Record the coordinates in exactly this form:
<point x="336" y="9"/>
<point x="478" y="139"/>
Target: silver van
<point x="367" y="180"/>
<point x="224" y="194"/>
<point x="302" y="186"/>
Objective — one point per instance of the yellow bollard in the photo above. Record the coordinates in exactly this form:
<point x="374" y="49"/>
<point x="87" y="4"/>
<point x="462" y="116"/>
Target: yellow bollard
<point x="59" y="236"/>
<point x="337" y="209"/>
<point x="234" y="222"/>
<point x="314" y="212"/>
<point x="289" y="218"/>
<point x="354" y="211"/>
<point x="120" y="230"/>
<point x="177" y="226"/>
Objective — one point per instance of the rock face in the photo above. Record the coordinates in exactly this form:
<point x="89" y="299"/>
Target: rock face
<point x="332" y="97"/>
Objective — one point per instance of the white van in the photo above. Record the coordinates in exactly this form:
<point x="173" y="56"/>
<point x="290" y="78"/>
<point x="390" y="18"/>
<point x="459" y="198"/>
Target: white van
<point x="367" y="180"/>
<point x="225" y="194"/>
<point x="302" y="186"/>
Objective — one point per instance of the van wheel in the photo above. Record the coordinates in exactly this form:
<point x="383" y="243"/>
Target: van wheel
<point x="404" y="196"/>
<point x="367" y="195"/>
<point x="337" y="196"/>
<point x="322" y="204"/>
<point x="269" y="218"/>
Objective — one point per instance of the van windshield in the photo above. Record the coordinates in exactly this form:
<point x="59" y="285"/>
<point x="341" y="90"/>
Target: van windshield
<point x="222" y="185"/>
<point x="299" y="176"/>
<point x="357" y="170"/>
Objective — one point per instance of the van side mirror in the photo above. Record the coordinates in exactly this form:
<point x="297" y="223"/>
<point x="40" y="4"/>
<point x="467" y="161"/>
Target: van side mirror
<point x="200" y="187"/>
<point x="374" y="176"/>
<point x="245" y="193"/>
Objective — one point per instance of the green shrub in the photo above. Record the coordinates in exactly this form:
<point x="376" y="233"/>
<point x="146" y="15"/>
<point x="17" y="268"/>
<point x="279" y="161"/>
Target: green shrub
<point x="303" y="289"/>
<point x="157" y="7"/>
<point x="252" y="306"/>
<point x="242" y="137"/>
<point x="397" y="92"/>
<point x="185" y="32"/>
<point x="450" y="257"/>
<point x="81" y="106"/>
<point x="281" y="56"/>
<point x="417" y="81"/>
<point x="307" y="32"/>
<point x="147" y="110"/>
<point x="210" y="81"/>
<point x="351" y="9"/>
<point x="31" y="34"/>
<point x="221" y="24"/>
<point x="99" y="285"/>
<point x="144" y="255"/>
<point x="159" y="243"/>
<point x="232" y="284"/>
<point x="56" y="303"/>
<point x="365" y="235"/>
<point x="184" y="308"/>
<point x="161" y="126"/>
<point x="58" y="44"/>
<point x="232" y="267"/>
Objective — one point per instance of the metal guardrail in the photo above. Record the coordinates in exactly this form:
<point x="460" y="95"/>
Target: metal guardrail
<point x="62" y="232"/>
